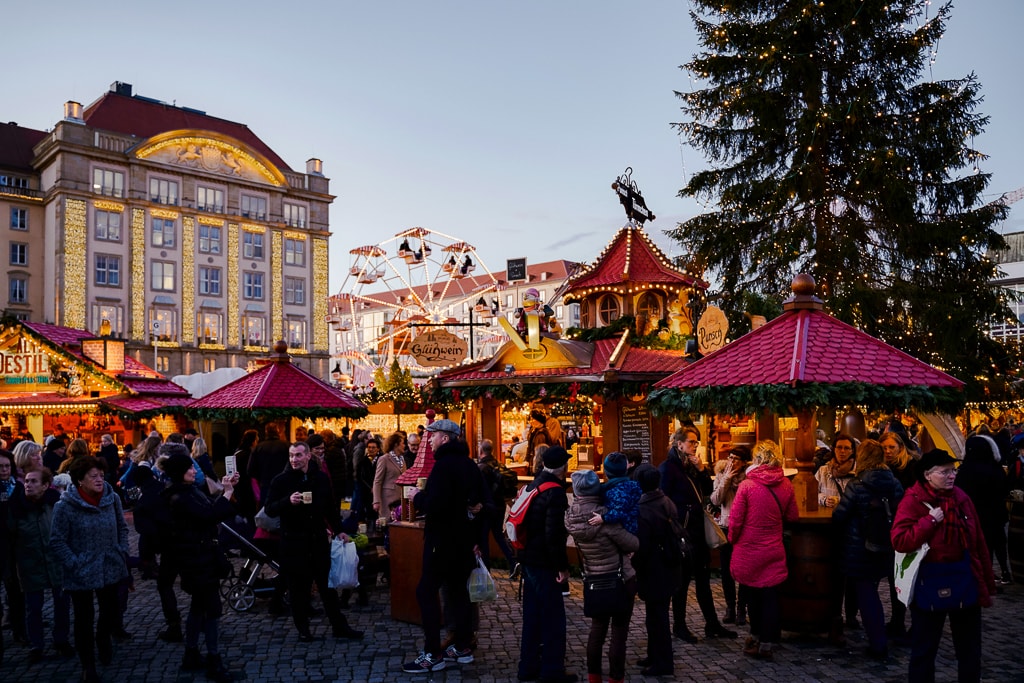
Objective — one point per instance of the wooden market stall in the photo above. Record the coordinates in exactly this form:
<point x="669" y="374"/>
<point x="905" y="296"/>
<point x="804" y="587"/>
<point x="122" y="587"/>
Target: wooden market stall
<point x="797" y="363"/>
<point x="53" y="376"/>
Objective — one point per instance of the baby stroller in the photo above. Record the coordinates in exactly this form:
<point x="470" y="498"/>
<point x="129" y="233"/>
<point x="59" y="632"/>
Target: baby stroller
<point x="255" y="578"/>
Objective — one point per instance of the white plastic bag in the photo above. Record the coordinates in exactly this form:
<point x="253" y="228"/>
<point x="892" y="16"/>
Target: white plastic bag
<point x="905" y="573"/>
<point x="480" y="584"/>
<point x="344" y="565"/>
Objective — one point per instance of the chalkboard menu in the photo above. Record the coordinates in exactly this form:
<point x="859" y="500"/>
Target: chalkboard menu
<point x="635" y="430"/>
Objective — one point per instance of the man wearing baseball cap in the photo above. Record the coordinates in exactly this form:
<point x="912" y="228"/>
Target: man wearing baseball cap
<point x="454" y="494"/>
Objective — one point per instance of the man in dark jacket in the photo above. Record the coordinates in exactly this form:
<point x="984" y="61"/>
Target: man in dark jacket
<point x="658" y="565"/>
<point x="544" y="565"/>
<point x="301" y="496"/>
<point x="111" y="458"/>
<point x="494" y="512"/>
<point x="685" y="479"/>
<point x="453" y="496"/>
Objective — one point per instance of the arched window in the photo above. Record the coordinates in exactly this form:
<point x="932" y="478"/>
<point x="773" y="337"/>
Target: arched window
<point x="650" y="306"/>
<point x="608" y="309"/>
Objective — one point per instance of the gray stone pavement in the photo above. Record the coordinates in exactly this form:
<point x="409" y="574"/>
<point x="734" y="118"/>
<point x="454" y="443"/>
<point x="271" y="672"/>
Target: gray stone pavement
<point x="260" y="648"/>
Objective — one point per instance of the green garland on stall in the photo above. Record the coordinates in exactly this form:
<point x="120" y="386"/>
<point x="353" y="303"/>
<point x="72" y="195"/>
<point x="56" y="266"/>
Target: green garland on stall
<point x="549" y="392"/>
<point x="272" y="414"/>
<point x="784" y="399"/>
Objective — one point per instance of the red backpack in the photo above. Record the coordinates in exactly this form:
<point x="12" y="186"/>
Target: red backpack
<point x="517" y="514"/>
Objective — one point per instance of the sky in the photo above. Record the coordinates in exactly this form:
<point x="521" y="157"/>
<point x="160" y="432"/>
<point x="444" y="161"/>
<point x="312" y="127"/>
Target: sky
<point x="502" y="124"/>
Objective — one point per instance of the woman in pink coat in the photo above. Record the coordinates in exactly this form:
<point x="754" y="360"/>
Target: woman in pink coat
<point x="764" y="500"/>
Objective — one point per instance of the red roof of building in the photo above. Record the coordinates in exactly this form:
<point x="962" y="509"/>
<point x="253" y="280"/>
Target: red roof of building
<point x="280" y="385"/>
<point x="806" y="345"/>
<point x="144" y="118"/>
<point x="631" y="257"/>
<point x="636" y="362"/>
<point x="16" y="145"/>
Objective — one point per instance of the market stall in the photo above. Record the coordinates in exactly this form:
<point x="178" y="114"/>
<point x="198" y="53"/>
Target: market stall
<point x="797" y="363"/>
<point x="58" y="377"/>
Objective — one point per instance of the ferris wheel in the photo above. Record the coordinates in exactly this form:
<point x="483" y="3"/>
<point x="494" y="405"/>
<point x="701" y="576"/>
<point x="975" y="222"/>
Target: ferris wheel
<point x="418" y="280"/>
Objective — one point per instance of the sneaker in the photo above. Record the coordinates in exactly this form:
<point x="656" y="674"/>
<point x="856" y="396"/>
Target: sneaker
<point x="454" y="654"/>
<point x="425" y="663"/>
<point x="1005" y="579"/>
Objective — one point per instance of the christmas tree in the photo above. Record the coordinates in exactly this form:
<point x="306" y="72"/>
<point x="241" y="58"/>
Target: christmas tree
<point x="833" y="152"/>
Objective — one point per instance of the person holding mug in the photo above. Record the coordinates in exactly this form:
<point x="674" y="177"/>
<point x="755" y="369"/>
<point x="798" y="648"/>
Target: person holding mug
<point x="302" y="497"/>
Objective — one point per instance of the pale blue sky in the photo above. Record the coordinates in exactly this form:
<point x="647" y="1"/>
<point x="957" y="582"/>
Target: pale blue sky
<point x="500" y="123"/>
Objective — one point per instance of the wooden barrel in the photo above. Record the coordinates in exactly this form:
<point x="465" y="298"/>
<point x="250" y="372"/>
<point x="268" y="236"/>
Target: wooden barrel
<point x="813" y="573"/>
<point x="1015" y="541"/>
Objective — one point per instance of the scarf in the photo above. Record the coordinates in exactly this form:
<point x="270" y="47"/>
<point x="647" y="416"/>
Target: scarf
<point x="89" y="498"/>
<point x="954" y="524"/>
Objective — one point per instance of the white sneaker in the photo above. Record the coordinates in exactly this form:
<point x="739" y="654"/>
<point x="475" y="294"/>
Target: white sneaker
<point x="453" y="654"/>
<point x="425" y="663"/>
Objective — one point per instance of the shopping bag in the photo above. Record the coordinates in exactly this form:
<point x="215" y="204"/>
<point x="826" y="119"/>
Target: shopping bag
<point x="713" y="533"/>
<point x="266" y="522"/>
<point x="481" y="584"/>
<point x="905" y="570"/>
<point x="344" y="565"/>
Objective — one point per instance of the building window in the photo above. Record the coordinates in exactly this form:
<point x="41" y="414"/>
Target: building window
<point x="294" y="290"/>
<point x="162" y="279"/>
<point x="210" y="199"/>
<point x="574" y="315"/>
<point x="113" y="314"/>
<point x="19" y="219"/>
<point x="297" y="334"/>
<point x="13" y="181"/>
<point x="19" y="254"/>
<point x="163" y="233"/>
<point x="254" y="330"/>
<point x="18" y="293"/>
<point x="108" y="270"/>
<point x="252" y="244"/>
<point x="295" y="252"/>
<point x="107" y="182"/>
<point x="209" y="239"/>
<point x="209" y="281"/>
<point x="163" y="191"/>
<point x="163" y="364"/>
<point x="586" y="310"/>
<point x="608" y="309"/>
<point x="295" y="215"/>
<point x="209" y="364"/>
<point x="254" y="207"/>
<point x="108" y="226"/>
<point x="210" y="328"/>
<point x="252" y="285"/>
<point x="163" y="325"/>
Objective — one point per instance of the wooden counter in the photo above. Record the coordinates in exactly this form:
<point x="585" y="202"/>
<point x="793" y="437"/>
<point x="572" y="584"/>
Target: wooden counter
<point x="813" y="573"/>
<point x="406" y="553"/>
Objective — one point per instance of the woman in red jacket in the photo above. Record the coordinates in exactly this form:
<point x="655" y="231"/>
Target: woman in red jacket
<point x="934" y="511"/>
<point x="764" y="500"/>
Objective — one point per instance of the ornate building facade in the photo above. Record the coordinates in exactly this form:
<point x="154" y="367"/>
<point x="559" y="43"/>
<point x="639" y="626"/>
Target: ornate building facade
<point x="182" y="233"/>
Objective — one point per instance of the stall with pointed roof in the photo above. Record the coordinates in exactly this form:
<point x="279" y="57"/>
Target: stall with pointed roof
<point x="634" y="323"/>
<point x="276" y="390"/>
<point x="802" y="360"/>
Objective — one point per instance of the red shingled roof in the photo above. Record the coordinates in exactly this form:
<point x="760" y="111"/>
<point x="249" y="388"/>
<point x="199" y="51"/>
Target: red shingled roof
<point x="636" y="362"/>
<point x="145" y="118"/>
<point x="16" y="145"/>
<point x="279" y="386"/>
<point x="631" y="257"/>
<point x="808" y="346"/>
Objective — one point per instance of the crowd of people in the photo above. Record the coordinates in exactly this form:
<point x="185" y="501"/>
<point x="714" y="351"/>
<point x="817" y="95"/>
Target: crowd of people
<point x="65" y="539"/>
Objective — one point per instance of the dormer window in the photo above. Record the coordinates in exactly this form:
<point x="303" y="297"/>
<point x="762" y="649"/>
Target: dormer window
<point x="608" y="310"/>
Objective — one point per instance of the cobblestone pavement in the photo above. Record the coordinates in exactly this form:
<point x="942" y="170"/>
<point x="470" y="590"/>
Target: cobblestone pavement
<point x="258" y="647"/>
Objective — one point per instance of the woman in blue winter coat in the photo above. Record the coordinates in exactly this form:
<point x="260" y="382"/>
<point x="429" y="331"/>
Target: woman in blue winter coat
<point x="865" y="513"/>
<point x="90" y="539"/>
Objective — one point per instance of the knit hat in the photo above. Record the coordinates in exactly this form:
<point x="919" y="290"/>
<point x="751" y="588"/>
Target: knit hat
<point x="981" y="448"/>
<point x="175" y="466"/>
<point x="586" y="483"/>
<point x="555" y="457"/>
<point x="648" y="477"/>
<point x="170" y="448"/>
<point x="615" y="465"/>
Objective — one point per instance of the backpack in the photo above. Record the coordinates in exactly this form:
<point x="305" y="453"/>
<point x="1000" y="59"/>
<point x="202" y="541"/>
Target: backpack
<point x="507" y="484"/>
<point x="514" y="526"/>
<point x="878" y="524"/>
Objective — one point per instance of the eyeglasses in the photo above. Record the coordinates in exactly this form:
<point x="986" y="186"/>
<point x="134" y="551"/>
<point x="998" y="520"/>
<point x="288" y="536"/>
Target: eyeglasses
<point x="692" y="442"/>
<point x="944" y="473"/>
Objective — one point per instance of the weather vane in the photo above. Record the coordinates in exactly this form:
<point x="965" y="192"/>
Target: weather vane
<point x="631" y="198"/>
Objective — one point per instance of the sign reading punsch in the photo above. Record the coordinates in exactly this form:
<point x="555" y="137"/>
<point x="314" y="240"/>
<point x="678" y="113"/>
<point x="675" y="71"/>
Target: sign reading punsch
<point x="438" y="347"/>
<point x="711" y="330"/>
